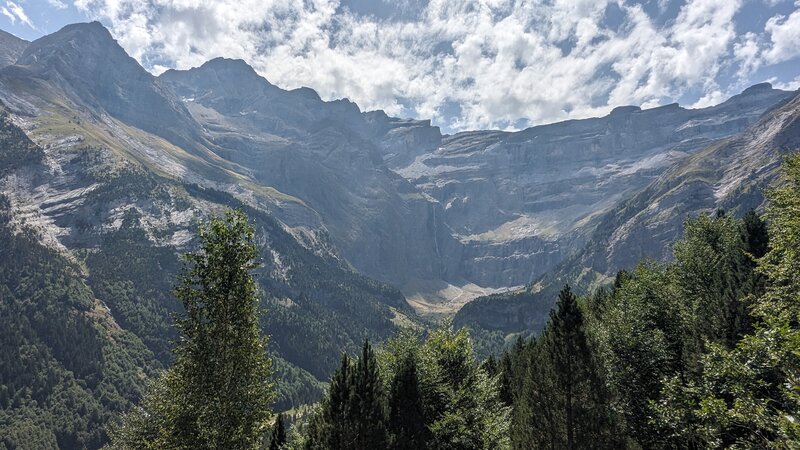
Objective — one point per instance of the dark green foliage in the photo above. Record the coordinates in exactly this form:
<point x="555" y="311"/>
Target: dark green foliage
<point x="369" y="401"/>
<point x="65" y="366"/>
<point x="353" y="415"/>
<point x="16" y="150"/>
<point x="563" y="402"/>
<point x="217" y="394"/>
<point x="438" y="397"/>
<point x="407" y="414"/>
<point x="277" y="440"/>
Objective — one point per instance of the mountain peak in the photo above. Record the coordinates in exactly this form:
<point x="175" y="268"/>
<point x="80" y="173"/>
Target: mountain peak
<point x="233" y="76"/>
<point x="758" y="88"/>
<point x="79" y="50"/>
<point x="84" y="62"/>
<point x="11" y="47"/>
<point x="221" y="61"/>
<point x="624" y="110"/>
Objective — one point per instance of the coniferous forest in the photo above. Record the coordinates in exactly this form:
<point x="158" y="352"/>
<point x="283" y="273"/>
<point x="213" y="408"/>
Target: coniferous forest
<point x="699" y="352"/>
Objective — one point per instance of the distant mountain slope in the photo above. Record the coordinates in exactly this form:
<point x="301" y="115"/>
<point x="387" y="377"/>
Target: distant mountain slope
<point x="66" y="365"/>
<point x="521" y="202"/>
<point x="392" y="197"/>
<point x="730" y="174"/>
<point x="11" y="47"/>
<point x="326" y="154"/>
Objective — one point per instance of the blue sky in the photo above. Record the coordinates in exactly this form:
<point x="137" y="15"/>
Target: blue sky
<point x="502" y="64"/>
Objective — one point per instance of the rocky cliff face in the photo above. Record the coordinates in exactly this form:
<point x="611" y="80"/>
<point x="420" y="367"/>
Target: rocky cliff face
<point x="520" y="202"/>
<point x="392" y="198"/>
<point x="331" y="156"/>
<point x="730" y="174"/>
<point x="11" y="47"/>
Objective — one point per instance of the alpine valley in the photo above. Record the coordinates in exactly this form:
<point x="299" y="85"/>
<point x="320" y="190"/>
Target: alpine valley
<point x="366" y="224"/>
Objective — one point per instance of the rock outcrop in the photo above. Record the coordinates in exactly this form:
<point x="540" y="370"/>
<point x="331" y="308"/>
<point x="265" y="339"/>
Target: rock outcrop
<point x="521" y="202"/>
<point x="11" y="47"/>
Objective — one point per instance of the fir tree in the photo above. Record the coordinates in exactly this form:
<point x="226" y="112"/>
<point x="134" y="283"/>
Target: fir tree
<point x="407" y="412"/>
<point x="332" y="428"/>
<point x="369" y="402"/>
<point x="564" y="403"/>
<point x="353" y="413"/>
<point x="277" y="439"/>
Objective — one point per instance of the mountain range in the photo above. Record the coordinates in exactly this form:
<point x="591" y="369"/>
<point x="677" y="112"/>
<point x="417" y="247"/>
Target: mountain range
<point x="366" y="223"/>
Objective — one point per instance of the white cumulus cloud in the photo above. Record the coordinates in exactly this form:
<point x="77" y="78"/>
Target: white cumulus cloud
<point x="16" y="13"/>
<point x="784" y="32"/>
<point x="465" y="63"/>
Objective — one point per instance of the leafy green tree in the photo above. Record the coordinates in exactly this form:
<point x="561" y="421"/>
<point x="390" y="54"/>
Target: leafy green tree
<point x="749" y="396"/>
<point x="464" y="406"/>
<point x="714" y="274"/>
<point x="217" y="394"/>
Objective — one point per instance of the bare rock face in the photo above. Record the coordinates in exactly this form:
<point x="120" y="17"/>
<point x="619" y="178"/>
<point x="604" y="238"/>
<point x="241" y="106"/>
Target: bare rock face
<point x="11" y="47"/>
<point x="331" y="156"/>
<point x="392" y="197"/>
<point x="520" y="202"/>
<point x="731" y="174"/>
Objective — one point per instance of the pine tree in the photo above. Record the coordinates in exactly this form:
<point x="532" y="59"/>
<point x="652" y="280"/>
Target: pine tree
<point x="755" y="235"/>
<point x="407" y="412"/>
<point x="217" y="394"/>
<point x="564" y="402"/>
<point x="369" y="402"/>
<point x="277" y="440"/>
<point x="569" y="350"/>
<point x="749" y="283"/>
<point x="353" y="413"/>
<point x="332" y="429"/>
<point x="507" y="378"/>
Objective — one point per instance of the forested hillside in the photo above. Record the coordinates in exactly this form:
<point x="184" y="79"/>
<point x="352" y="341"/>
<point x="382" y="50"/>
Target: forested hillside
<point x="66" y="366"/>
<point x="89" y="325"/>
